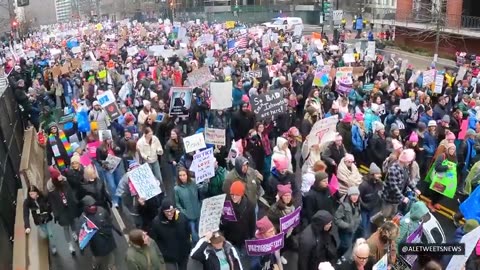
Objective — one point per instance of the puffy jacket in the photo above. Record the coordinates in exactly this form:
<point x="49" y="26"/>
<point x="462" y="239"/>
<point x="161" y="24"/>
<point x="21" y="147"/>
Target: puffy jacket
<point x="425" y="118"/>
<point x="429" y="144"/>
<point x="149" y="152"/>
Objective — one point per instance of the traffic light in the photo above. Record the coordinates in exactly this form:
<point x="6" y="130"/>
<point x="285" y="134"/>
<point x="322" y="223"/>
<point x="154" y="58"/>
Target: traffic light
<point x="326" y="7"/>
<point x="23" y="3"/>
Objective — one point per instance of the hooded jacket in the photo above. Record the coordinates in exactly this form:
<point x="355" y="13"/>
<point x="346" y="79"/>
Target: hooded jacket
<point x="277" y="153"/>
<point x="172" y="236"/>
<point x="315" y="244"/>
<point x="276" y="178"/>
<point x="249" y="179"/>
<point x="317" y="199"/>
<point x="410" y="222"/>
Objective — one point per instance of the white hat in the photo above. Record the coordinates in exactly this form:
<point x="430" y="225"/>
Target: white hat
<point x="146" y="103"/>
<point x="432" y="123"/>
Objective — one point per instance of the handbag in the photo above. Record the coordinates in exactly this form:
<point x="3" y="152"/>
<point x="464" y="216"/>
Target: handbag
<point x="94" y="124"/>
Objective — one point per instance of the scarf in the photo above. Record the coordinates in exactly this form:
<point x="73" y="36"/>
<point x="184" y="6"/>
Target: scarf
<point x="66" y="144"/>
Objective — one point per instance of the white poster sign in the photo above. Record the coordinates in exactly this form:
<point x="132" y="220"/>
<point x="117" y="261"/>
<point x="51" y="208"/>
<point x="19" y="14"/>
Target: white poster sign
<point x="194" y="142"/>
<point x="145" y="183"/>
<point x="212" y="209"/>
<point x="371" y="49"/>
<point x="470" y="240"/>
<point x="203" y="165"/>
<point x="321" y="128"/>
<point x="132" y="51"/>
<point x="221" y="95"/>
<point x="215" y="136"/>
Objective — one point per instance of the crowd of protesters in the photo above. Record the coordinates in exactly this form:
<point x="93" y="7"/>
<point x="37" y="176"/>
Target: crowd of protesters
<point x="357" y="189"/>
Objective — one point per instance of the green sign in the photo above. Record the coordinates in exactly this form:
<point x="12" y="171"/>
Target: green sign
<point x="368" y="87"/>
<point x="445" y="183"/>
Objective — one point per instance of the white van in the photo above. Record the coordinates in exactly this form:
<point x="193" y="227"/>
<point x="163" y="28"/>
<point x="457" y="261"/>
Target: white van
<point x="286" y="24"/>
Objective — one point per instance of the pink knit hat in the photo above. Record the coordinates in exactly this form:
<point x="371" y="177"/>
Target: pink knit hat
<point x="347" y="118"/>
<point x="281" y="163"/>
<point x="284" y="189"/>
<point x="407" y="156"/>
<point x="450" y="136"/>
<point x="335" y="106"/>
<point x="349" y="157"/>
<point x="413" y="137"/>
<point x="359" y="116"/>
<point x="263" y="225"/>
<point x="397" y="145"/>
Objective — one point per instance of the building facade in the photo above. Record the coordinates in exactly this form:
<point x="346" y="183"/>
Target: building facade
<point x="63" y="10"/>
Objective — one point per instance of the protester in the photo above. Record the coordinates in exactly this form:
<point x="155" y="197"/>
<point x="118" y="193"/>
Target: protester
<point x="143" y="253"/>
<point x="360" y="257"/>
<point x="382" y="242"/>
<point x="348" y="219"/>
<point x="187" y="201"/>
<point x="215" y="253"/>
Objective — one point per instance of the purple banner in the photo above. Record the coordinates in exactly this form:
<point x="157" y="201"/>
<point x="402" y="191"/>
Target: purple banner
<point x="228" y="212"/>
<point x="260" y="247"/>
<point x="414" y="238"/>
<point x="290" y="221"/>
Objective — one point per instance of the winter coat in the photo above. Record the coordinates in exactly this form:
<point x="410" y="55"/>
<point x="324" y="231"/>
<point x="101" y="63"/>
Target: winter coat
<point x="358" y="141"/>
<point x="207" y="255"/>
<point x="430" y="144"/>
<point x="345" y="129"/>
<point x="97" y="190"/>
<point x="241" y="123"/>
<point x="395" y="183"/>
<point x="377" y="149"/>
<point x="149" y="152"/>
<point x="40" y="209"/>
<point x="276" y="178"/>
<point x="172" y="236"/>
<point x="315" y="200"/>
<point x="74" y="179"/>
<point x="278" y="153"/>
<point x="347" y="177"/>
<point x="174" y="151"/>
<point x="101" y="117"/>
<point x="439" y="111"/>
<point x="145" y="258"/>
<point x="242" y="229"/>
<point x="255" y="149"/>
<point x="250" y="180"/>
<point x="186" y="200"/>
<point x="378" y="248"/>
<point x="370" y="193"/>
<point x="347" y="216"/>
<point x="64" y="213"/>
<point x="410" y="222"/>
<point x="425" y="118"/>
<point x="216" y="182"/>
<point x="333" y="153"/>
<point x="317" y="245"/>
<point x="103" y="241"/>
<point x="278" y="210"/>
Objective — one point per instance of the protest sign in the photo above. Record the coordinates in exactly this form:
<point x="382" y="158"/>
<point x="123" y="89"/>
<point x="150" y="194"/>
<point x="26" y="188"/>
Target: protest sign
<point x="297" y="31"/>
<point x="181" y="101"/>
<point x="344" y="79"/>
<point x="206" y="39"/>
<point x="439" y="78"/>
<point x="145" y="183"/>
<point x="252" y="74"/>
<point x="320" y="128"/>
<point x="322" y="76"/>
<point x="156" y="50"/>
<point x="76" y="50"/>
<point x="428" y="77"/>
<point x="414" y="238"/>
<point x="199" y="77"/>
<point x="89" y="65"/>
<point x="260" y="247"/>
<point x="382" y="264"/>
<point x="87" y="230"/>
<point x="371" y="50"/>
<point x="203" y="165"/>
<point x="108" y="102"/>
<point x="461" y="74"/>
<point x="405" y="104"/>
<point x="215" y="136"/>
<point x="348" y="58"/>
<point x="228" y="212"/>
<point x="265" y="106"/>
<point x="56" y="71"/>
<point x="290" y="221"/>
<point x="229" y="24"/>
<point x="132" y="51"/>
<point x="113" y="162"/>
<point x="445" y="183"/>
<point x="212" y="209"/>
<point x="194" y="143"/>
<point x="470" y="240"/>
<point x="221" y="95"/>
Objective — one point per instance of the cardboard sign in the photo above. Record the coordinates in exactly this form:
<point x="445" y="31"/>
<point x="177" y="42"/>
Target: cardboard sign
<point x="265" y="106"/>
<point x="212" y="209"/>
<point x="320" y="128"/>
<point x="215" y="136"/>
<point x="203" y="165"/>
<point x="261" y="247"/>
<point x="290" y="221"/>
<point x="221" y="95"/>
<point x="199" y="77"/>
<point x="145" y="183"/>
<point x="181" y="101"/>
<point x="56" y="71"/>
<point x="194" y="143"/>
<point x="75" y="64"/>
<point x="65" y="69"/>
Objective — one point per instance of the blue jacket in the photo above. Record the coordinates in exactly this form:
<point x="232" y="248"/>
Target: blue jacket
<point x="472" y="119"/>
<point x="430" y="144"/>
<point x="425" y="118"/>
<point x="357" y="140"/>
<point x="459" y="233"/>
<point x="370" y="117"/>
<point x="237" y="95"/>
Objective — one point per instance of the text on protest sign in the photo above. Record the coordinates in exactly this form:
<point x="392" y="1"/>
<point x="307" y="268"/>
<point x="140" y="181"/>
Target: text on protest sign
<point x="145" y="183"/>
<point x="181" y="101"/>
<point x="320" y="128"/>
<point x="87" y="231"/>
<point x="267" y="105"/>
<point x="228" y="212"/>
<point x="260" y="247"/>
<point x="221" y="95"/>
<point x="215" y="136"/>
<point x="194" y="143"/>
<point x="199" y="77"/>
<point x="252" y="74"/>
<point x="212" y="209"/>
<point x="203" y="165"/>
<point x="108" y="102"/>
<point x="290" y="221"/>
<point x="113" y="162"/>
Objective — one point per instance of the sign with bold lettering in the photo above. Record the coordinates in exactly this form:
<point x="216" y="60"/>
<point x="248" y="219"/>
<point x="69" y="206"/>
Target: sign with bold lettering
<point x="215" y="136"/>
<point x="260" y="247"/>
<point x="267" y="105"/>
<point x="228" y="212"/>
<point x="145" y="183"/>
<point x="203" y="165"/>
<point x="290" y="221"/>
<point x="212" y="209"/>
<point x="194" y="143"/>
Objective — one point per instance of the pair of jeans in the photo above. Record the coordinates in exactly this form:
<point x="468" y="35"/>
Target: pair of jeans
<point x="155" y="166"/>
<point x="366" y="215"/>
<point x="46" y="231"/>
<point x="194" y="228"/>
<point x="112" y="180"/>
<point x="68" y="231"/>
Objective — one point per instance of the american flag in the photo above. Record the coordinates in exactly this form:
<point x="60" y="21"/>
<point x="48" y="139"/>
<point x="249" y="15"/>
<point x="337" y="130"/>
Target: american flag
<point x="232" y="48"/>
<point x="242" y="41"/>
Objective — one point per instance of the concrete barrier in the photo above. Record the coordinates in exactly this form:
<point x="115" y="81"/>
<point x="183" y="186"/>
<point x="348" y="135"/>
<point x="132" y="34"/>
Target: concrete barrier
<point x="33" y="164"/>
<point x="20" y="245"/>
